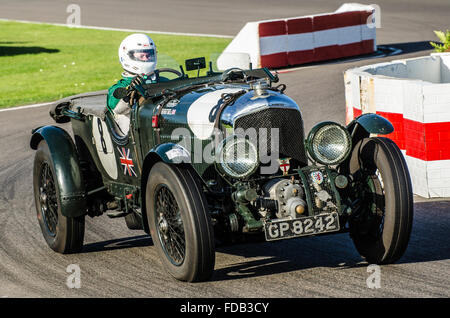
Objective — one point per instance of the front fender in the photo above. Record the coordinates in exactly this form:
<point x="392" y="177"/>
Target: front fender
<point x="361" y="127"/>
<point x="372" y="124"/>
<point x="172" y="153"/>
<point x="169" y="153"/>
<point x="65" y="160"/>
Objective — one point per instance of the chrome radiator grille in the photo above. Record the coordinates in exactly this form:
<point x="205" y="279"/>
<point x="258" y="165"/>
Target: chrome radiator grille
<point x="290" y="126"/>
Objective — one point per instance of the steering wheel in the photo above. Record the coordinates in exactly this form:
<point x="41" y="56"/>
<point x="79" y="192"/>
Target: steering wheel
<point x="167" y="70"/>
<point x="232" y="74"/>
<point x="122" y="92"/>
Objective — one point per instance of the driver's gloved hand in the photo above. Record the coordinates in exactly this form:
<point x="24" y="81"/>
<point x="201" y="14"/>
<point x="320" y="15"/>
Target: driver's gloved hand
<point x="127" y="98"/>
<point x="138" y="80"/>
<point x="136" y="84"/>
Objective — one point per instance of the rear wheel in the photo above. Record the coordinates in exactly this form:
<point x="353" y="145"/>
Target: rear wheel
<point x="179" y="222"/>
<point x="62" y="234"/>
<point x="382" y="227"/>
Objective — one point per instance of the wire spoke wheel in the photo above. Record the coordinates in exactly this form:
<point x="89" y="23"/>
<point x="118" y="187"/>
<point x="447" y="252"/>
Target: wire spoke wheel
<point x="382" y="226"/>
<point x="48" y="200"/>
<point x="379" y="205"/>
<point x="63" y="234"/>
<point x="371" y="219"/>
<point x="170" y="225"/>
<point x="179" y="222"/>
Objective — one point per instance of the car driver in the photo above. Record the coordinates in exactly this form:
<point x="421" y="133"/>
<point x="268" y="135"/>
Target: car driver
<point x="137" y="54"/>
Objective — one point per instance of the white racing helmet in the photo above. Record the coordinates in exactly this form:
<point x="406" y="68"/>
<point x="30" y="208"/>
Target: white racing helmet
<point x="137" y="54"/>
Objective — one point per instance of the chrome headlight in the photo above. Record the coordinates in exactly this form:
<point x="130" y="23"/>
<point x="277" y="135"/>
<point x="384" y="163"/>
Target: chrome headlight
<point x="237" y="157"/>
<point x="329" y="143"/>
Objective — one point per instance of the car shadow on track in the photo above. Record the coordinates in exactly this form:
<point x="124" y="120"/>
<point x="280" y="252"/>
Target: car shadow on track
<point x="332" y="251"/>
<point x="117" y="244"/>
<point x="256" y="258"/>
<point x="429" y="242"/>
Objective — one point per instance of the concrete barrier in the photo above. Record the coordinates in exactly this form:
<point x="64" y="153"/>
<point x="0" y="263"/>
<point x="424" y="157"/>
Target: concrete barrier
<point x="292" y="41"/>
<point x="414" y="94"/>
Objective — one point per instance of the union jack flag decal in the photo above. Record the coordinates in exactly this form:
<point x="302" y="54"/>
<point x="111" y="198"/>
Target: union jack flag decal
<point x="126" y="162"/>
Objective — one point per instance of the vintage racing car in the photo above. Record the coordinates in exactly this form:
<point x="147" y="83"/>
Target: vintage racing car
<point x="214" y="158"/>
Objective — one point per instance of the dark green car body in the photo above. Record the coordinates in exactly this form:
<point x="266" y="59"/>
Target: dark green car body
<point x="99" y="170"/>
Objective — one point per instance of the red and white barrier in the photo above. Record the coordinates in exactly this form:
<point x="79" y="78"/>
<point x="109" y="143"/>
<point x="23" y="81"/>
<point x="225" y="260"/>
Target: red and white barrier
<point x="277" y="43"/>
<point x="414" y="94"/>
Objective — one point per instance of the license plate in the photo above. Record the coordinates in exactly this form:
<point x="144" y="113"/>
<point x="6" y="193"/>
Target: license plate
<point x="309" y="225"/>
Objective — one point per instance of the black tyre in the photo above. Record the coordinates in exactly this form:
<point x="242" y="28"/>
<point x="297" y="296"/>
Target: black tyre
<point x="381" y="230"/>
<point x="133" y="222"/>
<point x="62" y="234"/>
<point x="179" y="222"/>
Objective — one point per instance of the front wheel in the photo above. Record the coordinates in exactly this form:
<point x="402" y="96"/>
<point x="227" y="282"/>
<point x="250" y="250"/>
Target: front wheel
<point x="179" y="222"/>
<point x="382" y="227"/>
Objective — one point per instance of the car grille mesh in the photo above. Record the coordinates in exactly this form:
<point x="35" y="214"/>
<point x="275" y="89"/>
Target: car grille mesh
<point x="291" y="134"/>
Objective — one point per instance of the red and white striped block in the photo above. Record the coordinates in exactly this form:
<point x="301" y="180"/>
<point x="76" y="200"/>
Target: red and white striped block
<point x="419" y="111"/>
<point x="316" y="38"/>
<point x="299" y="40"/>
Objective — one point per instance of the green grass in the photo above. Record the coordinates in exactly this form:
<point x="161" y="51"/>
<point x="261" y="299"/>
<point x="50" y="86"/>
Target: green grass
<point x="41" y="62"/>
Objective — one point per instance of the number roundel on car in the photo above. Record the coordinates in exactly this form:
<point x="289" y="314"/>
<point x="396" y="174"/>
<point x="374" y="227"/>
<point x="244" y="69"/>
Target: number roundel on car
<point x="104" y="147"/>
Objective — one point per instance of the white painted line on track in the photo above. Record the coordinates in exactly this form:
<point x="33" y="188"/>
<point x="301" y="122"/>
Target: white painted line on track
<point x="122" y="30"/>
<point x="25" y="107"/>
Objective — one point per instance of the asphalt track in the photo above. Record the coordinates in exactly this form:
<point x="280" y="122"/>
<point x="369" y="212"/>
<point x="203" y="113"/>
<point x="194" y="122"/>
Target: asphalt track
<point x="117" y="262"/>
